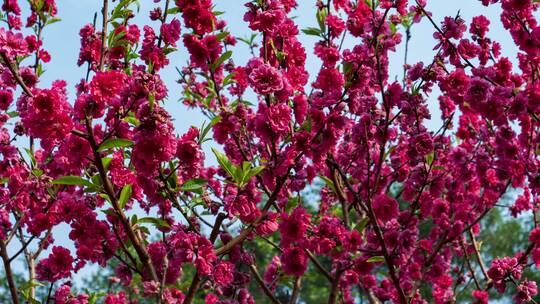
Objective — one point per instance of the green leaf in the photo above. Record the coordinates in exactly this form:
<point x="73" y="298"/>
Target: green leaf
<point x="224" y="57"/>
<point x="106" y="162"/>
<point x="206" y="129"/>
<point x="224" y="162"/>
<point x="321" y="18"/>
<point x="31" y="155"/>
<point x="329" y="183"/>
<point x="430" y="157"/>
<point x="115" y="143"/>
<point x="169" y="50"/>
<point x="194" y="185"/>
<point x="134" y="219"/>
<point x="228" y="79"/>
<point x="249" y="41"/>
<point x="249" y="173"/>
<point x="53" y="20"/>
<point x="72" y="180"/>
<point x="312" y="31"/>
<point x="160" y="223"/>
<point x="375" y="259"/>
<point x="362" y="225"/>
<point x="151" y="97"/>
<point x="291" y="204"/>
<point x="222" y="35"/>
<point x="125" y="194"/>
<point x="132" y="120"/>
<point x="110" y="212"/>
<point x="174" y="10"/>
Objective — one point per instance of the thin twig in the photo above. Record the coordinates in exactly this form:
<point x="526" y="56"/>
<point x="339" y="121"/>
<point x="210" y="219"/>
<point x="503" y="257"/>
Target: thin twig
<point x="105" y="14"/>
<point x="261" y="283"/>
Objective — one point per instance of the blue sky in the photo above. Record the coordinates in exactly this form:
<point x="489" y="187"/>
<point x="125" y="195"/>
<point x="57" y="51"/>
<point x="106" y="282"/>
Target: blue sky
<point x="62" y="41"/>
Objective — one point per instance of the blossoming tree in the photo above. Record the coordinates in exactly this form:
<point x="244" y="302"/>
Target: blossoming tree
<point x="401" y="207"/>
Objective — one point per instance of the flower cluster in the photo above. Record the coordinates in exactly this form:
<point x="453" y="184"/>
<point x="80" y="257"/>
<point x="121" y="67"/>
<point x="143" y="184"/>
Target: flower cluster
<point x="335" y="175"/>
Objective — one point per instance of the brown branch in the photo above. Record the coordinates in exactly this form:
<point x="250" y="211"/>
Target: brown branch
<point x="109" y="190"/>
<point x="9" y="272"/>
<point x="334" y="291"/>
<point x="378" y="233"/>
<point x="261" y="283"/>
<point x="15" y="73"/>
<point x="372" y="298"/>
<point x="339" y="191"/>
<point x="296" y="290"/>
<point x="15" y="227"/>
<point x="479" y="256"/>
<point x="469" y="265"/>
<point x="319" y="266"/>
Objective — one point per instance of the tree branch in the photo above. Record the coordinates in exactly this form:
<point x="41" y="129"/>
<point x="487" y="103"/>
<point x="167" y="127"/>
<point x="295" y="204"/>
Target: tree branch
<point x="261" y="283"/>
<point x="9" y="273"/>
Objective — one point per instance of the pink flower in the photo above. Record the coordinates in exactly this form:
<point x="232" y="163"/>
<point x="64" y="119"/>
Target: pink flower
<point x="359" y="19"/>
<point x="171" y="32"/>
<point x="150" y="52"/>
<point x="479" y="26"/>
<point x="223" y="273"/>
<point x="534" y="236"/>
<point x="46" y="115"/>
<point x="265" y="79"/>
<point x="63" y="295"/>
<point x="120" y="174"/>
<point x="119" y="298"/>
<point x="482" y="297"/>
<point x="525" y="291"/>
<point x="90" y="51"/>
<point x="173" y="296"/>
<point x="11" y="6"/>
<point x="154" y="140"/>
<point x="293" y="227"/>
<point x="329" y="80"/>
<point x="268" y="21"/>
<point x="57" y="266"/>
<point x="502" y="268"/>
<point x="5" y="224"/>
<point x="272" y="272"/>
<point x="516" y="5"/>
<point x="12" y="44"/>
<point x="328" y="55"/>
<point x="453" y="28"/>
<point x="384" y="207"/>
<point x="190" y="154"/>
<point x="203" y="51"/>
<point x="197" y="15"/>
<point x="6" y="98"/>
<point x="300" y="107"/>
<point x="106" y="86"/>
<point x="336" y="25"/>
<point x="272" y="123"/>
<point x="294" y="261"/>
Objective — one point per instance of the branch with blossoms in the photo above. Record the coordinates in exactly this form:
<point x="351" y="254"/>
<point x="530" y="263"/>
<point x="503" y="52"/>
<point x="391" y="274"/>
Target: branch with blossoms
<point x="398" y="211"/>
